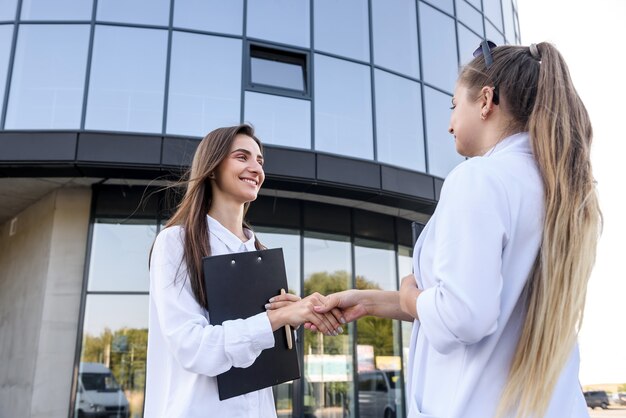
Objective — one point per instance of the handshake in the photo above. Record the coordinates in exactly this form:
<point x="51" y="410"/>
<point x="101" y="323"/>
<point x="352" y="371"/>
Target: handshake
<point x="327" y="314"/>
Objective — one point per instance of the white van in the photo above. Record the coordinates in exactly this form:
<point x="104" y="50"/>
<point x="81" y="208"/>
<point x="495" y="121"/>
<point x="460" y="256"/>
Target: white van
<point x="99" y="395"/>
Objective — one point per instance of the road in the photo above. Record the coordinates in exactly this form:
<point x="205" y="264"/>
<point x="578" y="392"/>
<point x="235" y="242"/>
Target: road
<point x="614" y="411"/>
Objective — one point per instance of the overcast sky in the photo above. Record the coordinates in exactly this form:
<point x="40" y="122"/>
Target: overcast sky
<point x="591" y="37"/>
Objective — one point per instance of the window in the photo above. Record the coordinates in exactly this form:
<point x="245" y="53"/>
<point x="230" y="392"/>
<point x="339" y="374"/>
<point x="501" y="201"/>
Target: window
<point x="126" y="86"/>
<point x="470" y="16"/>
<point x="395" y="36"/>
<point x="468" y="42"/>
<point x="342" y="28"/>
<point x="6" y="34"/>
<point x="343" y="107"/>
<point x="210" y="15"/>
<point x="283" y="21"/>
<point x="56" y="10"/>
<point x="50" y="99"/>
<point x="399" y="130"/>
<point x="280" y="120"/>
<point x="439" y="56"/>
<point x="7" y="9"/>
<point x="278" y="70"/>
<point x="149" y="12"/>
<point x="205" y="84"/>
<point x="493" y="12"/>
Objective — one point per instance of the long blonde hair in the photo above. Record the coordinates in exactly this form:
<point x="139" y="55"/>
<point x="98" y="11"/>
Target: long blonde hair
<point x="537" y="91"/>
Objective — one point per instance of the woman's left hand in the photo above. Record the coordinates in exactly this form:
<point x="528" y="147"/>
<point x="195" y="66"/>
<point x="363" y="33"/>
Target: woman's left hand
<point x="408" y="295"/>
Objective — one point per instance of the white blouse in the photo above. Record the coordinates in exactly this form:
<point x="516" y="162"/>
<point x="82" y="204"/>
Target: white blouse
<point x="472" y="260"/>
<point x="185" y="352"/>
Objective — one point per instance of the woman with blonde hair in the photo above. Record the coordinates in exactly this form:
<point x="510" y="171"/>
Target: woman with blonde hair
<point x="501" y="268"/>
<point x="185" y="351"/>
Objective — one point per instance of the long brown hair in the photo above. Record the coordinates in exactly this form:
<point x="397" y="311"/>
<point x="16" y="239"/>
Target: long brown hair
<point x="537" y="93"/>
<point x="191" y="213"/>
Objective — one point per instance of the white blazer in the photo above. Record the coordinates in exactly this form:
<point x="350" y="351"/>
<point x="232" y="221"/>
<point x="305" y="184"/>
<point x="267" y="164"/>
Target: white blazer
<point x="472" y="260"/>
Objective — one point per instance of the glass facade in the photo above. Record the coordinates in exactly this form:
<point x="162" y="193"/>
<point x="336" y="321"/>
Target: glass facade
<point x="184" y="67"/>
<point x="374" y="81"/>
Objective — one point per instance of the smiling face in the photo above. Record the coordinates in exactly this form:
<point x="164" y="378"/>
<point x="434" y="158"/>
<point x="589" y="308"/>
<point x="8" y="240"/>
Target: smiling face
<point x="239" y="176"/>
<point x="465" y="122"/>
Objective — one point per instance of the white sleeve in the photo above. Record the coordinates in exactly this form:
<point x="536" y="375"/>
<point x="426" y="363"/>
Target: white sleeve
<point x="469" y="236"/>
<point x="198" y="346"/>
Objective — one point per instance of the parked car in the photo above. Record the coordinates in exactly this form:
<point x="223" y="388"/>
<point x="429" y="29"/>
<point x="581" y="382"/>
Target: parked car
<point x="99" y="395"/>
<point x="378" y="393"/>
<point x="597" y="398"/>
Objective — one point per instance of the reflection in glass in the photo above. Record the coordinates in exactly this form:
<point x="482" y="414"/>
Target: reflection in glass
<point x="395" y="36"/>
<point x="127" y="79"/>
<point x="343" y="107"/>
<point x="468" y="42"/>
<point x="119" y="256"/>
<point x="289" y="241"/>
<point x="280" y="21"/>
<point x="210" y="15"/>
<point x="493" y="11"/>
<point x="469" y="16"/>
<point x="205" y="84"/>
<point x="6" y="34"/>
<point x="399" y="132"/>
<point x="276" y="73"/>
<point x="149" y="12"/>
<point x="439" y="57"/>
<point x="378" y="351"/>
<point x="112" y="370"/>
<point x="328" y="362"/>
<point x="48" y="77"/>
<point x="279" y="120"/>
<point x="56" y="10"/>
<point x="442" y="155"/>
<point x="342" y="28"/>
<point x="7" y="9"/>
<point x="405" y="267"/>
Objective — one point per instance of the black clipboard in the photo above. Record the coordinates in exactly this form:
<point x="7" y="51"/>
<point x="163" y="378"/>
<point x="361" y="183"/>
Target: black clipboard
<point x="238" y="286"/>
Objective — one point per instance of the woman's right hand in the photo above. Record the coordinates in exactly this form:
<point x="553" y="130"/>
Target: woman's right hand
<point x="290" y="310"/>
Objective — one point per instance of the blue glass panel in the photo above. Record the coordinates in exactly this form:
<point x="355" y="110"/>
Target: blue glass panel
<point x="8" y="9"/>
<point x="203" y="95"/>
<point x="279" y="120"/>
<point x="56" y="10"/>
<point x="399" y="131"/>
<point x="469" y="16"/>
<point x="277" y="73"/>
<point x="445" y="5"/>
<point x="493" y="11"/>
<point x="127" y="80"/>
<point x="284" y="21"/>
<point x="509" y="31"/>
<point x="342" y="28"/>
<point x="149" y="12"/>
<point x="395" y="36"/>
<point x="6" y="35"/>
<point x="128" y="245"/>
<point x="210" y="15"/>
<point x="439" y="56"/>
<point x="442" y="155"/>
<point x="493" y="34"/>
<point x="343" y="107"/>
<point x="475" y="3"/>
<point x="52" y="98"/>
<point x="468" y="42"/>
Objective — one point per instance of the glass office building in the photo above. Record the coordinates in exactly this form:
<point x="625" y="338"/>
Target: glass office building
<point x="102" y="103"/>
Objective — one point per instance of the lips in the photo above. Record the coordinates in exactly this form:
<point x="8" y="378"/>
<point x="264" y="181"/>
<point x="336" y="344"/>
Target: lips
<point x="250" y="181"/>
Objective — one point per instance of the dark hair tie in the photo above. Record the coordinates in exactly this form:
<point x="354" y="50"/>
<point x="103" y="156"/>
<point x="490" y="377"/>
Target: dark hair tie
<point x="534" y="52"/>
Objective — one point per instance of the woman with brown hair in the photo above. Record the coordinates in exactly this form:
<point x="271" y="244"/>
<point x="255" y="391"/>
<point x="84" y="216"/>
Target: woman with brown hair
<point x="185" y="352"/>
<point x="501" y="268"/>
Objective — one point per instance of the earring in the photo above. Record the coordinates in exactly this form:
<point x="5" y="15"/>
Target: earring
<point x="211" y="175"/>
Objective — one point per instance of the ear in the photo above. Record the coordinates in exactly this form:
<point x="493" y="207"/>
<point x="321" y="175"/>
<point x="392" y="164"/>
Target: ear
<point x="486" y="100"/>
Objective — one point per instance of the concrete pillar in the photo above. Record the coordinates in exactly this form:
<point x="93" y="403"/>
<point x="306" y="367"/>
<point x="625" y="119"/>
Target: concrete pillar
<point x="41" y="274"/>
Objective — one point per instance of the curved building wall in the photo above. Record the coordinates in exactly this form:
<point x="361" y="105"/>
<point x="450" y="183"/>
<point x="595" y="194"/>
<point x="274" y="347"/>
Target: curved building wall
<point x="357" y="78"/>
<point x="352" y="98"/>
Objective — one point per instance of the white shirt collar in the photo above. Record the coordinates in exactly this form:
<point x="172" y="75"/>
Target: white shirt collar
<point x="229" y="239"/>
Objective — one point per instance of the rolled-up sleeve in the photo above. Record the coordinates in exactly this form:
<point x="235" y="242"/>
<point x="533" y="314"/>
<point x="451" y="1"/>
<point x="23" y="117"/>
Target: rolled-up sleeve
<point x="198" y="346"/>
<point x="469" y="235"/>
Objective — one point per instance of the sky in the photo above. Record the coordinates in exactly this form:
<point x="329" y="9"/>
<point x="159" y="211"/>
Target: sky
<point x="591" y="36"/>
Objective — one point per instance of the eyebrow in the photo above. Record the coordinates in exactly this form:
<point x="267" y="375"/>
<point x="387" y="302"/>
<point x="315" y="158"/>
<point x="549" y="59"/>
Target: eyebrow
<point x="245" y="151"/>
